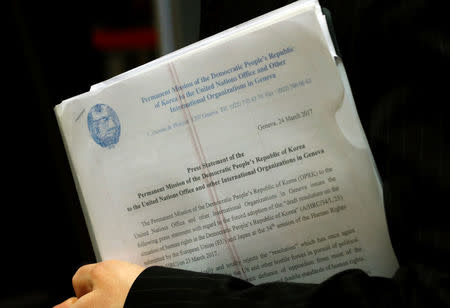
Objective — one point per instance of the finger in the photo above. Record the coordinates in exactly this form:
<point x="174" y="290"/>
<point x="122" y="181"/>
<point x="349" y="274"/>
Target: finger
<point x="67" y="303"/>
<point x="82" y="280"/>
<point x="91" y="299"/>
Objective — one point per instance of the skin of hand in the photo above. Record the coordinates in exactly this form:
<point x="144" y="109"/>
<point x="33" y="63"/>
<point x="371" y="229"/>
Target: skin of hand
<point x="104" y="284"/>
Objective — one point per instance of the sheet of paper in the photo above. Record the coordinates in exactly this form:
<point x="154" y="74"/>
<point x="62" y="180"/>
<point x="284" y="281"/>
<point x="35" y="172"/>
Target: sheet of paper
<point x="243" y="156"/>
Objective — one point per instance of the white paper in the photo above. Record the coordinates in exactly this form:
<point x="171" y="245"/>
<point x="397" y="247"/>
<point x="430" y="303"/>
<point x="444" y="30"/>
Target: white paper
<point x="266" y="175"/>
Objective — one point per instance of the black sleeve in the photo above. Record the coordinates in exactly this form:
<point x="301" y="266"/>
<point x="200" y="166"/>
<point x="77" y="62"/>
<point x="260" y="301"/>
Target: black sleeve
<point x="166" y="287"/>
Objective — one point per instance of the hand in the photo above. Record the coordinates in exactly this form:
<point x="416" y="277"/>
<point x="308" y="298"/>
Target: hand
<point x="105" y="284"/>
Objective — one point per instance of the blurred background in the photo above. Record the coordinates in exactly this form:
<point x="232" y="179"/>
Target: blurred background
<point x="396" y="55"/>
<point x="56" y="50"/>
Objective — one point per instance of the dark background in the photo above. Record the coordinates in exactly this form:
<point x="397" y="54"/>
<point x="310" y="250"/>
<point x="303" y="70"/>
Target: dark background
<point x="50" y="57"/>
<point x="397" y="58"/>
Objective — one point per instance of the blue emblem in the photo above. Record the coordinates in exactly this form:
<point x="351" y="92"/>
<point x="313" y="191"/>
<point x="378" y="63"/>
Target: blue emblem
<point x="104" y="125"/>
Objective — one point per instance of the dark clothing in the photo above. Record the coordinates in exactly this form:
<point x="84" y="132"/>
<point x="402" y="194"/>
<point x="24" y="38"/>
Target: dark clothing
<point x="413" y="286"/>
<point x="397" y="58"/>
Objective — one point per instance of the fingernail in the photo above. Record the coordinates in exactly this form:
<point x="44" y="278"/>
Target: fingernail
<point x="67" y="303"/>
